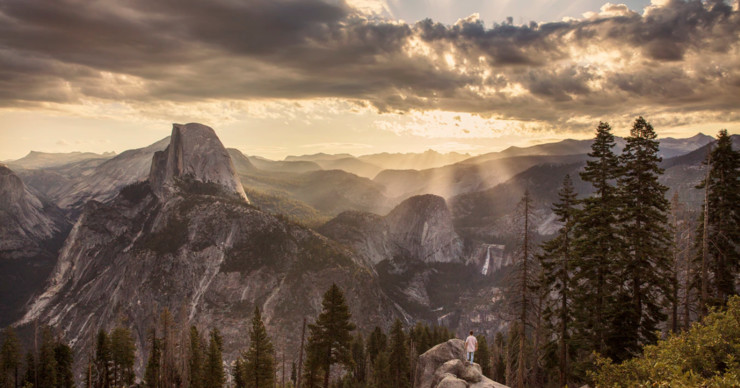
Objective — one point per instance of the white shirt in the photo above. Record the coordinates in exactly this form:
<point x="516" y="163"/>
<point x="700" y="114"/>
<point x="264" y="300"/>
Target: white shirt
<point x="471" y="343"/>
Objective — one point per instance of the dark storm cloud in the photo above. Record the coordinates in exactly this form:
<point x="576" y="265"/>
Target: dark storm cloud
<point x="676" y="56"/>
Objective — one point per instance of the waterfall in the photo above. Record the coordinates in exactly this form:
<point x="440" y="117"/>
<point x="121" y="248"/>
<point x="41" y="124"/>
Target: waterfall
<point x="484" y="271"/>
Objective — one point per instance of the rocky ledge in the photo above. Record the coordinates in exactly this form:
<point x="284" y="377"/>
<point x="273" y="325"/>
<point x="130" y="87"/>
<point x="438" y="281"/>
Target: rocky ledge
<point x="444" y="366"/>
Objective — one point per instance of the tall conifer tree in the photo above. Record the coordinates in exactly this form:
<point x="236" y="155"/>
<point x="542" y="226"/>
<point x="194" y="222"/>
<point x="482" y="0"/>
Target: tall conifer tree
<point x="259" y="365"/>
<point x="597" y="248"/>
<point x="10" y="359"/>
<point x="398" y="357"/>
<point x="723" y="221"/>
<point x="646" y="262"/>
<point x="556" y="260"/>
<point x="214" y="375"/>
<point x="330" y="338"/>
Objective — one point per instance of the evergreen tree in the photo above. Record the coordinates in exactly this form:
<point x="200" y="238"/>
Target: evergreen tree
<point x="195" y="361"/>
<point x="123" y="355"/>
<point x="597" y="248"/>
<point x="646" y="261"/>
<point x="239" y="373"/>
<point x="381" y="371"/>
<point x="359" y="358"/>
<point x="47" y="364"/>
<point x="29" y="377"/>
<point x="293" y="373"/>
<point x="398" y="357"/>
<point x="214" y="375"/>
<point x="499" y="358"/>
<point x="102" y="374"/>
<point x="556" y="261"/>
<point x="10" y="359"/>
<point x="376" y="343"/>
<point x="259" y="364"/>
<point x="483" y="356"/>
<point x="64" y="360"/>
<point x="722" y="185"/>
<point x="152" y="375"/>
<point x="330" y="337"/>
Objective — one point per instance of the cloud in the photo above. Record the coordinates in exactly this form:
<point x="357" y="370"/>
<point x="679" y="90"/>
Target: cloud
<point x="679" y="56"/>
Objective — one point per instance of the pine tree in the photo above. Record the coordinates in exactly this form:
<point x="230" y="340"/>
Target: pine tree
<point x="102" y="374"/>
<point x="10" y="359"/>
<point x="259" y="365"/>
<point x="556" y="261"/>
<point x="381" y="371"/>
<point x="360" y="359"/>
<point x="483" y="356"/>
<point x="214" y="375"/>
<point x="398" y="357"/>
<point x="47" y="364"/>
<point x="330" y="337"/>
<point x="64" y="360"/>
<point x="597" y="249"/>
<point x="520" y="297"/>
<point x="29" y="377"/>
<point x="646" y="262"/>
<point x="152" y="375"/>
<point x="195" y="360"/>
<point x="123" y="355"/>
<point x="722" y="185"/>
<point x="376" y="343"/>
<point x="499" y="358"/>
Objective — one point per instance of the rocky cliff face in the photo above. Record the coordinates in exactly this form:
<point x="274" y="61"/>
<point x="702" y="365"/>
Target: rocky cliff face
<point x="194" y="152"/>
<point x="31" y="231"/>
<point x="189" y="242"/>
<point x="419" y="229"/>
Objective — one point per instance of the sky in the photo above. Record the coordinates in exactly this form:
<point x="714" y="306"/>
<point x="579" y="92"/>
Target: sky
<point x="289" y="77"/>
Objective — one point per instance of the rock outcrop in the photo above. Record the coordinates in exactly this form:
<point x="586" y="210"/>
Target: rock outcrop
<point x="31" y="231"/>
<point x="419" y="229"/>
<point x="444" y="366"/>
<point x="194" y="152"/>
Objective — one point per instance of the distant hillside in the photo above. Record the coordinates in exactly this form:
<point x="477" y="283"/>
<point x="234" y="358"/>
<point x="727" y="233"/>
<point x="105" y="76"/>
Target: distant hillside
<point x="36" y="159"/>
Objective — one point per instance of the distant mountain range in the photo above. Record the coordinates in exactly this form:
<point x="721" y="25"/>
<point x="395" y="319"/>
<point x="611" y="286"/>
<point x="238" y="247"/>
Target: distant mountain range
<point x="210" y="233"/>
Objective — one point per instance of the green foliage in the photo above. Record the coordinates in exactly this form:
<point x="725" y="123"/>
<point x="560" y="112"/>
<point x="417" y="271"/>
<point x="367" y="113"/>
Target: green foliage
<point x="330" y="338"/>
<point x="136" y="191"/>
<point x="47" y="363"/>
<point x="123" y="353"/>
<point x="10" y="359"/>
<point x="29" y="378"/>
<point x="646" y="260"/>
<point x="723" y="232"/>
<point x="279" y="203"/>
<point x="153" y="372"/>
<point x="195" y="359"/>
<point x="708" y="355"/>
<point x="214" y="375"/>
<point x="597" y="248"/>
<point x="102" y="368"/>
<point x="359" y="358"/>
<point x="398" y="357"/>
<point x="376" y="343"/>
<point x="64" y="359"/>
<point x="483" y="356"/>
<point x="259" y="364"/>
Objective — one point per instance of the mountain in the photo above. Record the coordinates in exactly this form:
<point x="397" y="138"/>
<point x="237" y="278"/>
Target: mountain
<point x="316" y="157"/>
<point x="35" y="159"/>
<point x="32" y="230"/>
<point x="71" y="186"/>
<point x="669" y="147"/>
<point x="296" y="166"/>
<point x="463" y="177"/>
<point x="414" y="161"/>
<point x="327" y="192"/>
<point x="187" y="240"/>
<point x="194" y="152"/>
<point x="422" y="264"/>
<point x="352" y="164"/>
<point x="420" y="229"/>
<point x="364" y="165"/>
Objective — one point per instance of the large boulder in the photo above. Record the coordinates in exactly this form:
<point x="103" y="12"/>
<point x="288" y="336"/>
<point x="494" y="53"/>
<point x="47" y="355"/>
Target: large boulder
<point x="444" y="366"/>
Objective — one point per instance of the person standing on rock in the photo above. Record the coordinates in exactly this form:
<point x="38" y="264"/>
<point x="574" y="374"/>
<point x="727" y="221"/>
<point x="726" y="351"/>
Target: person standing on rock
<point x="471" y="345"/>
